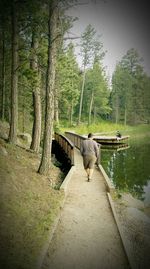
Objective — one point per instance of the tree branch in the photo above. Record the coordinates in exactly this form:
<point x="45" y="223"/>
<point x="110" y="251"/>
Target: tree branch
<point x="71" y="38"/>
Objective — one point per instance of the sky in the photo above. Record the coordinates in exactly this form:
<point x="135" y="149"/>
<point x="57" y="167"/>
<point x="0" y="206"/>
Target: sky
<point x="122" y="24"/>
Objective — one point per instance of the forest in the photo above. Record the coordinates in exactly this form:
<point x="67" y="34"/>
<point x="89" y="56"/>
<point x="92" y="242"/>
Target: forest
<point x="42" y="86"/>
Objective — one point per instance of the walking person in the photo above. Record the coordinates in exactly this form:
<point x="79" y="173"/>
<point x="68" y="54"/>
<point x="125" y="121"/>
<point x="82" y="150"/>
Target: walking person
<point x="90" y="153"/>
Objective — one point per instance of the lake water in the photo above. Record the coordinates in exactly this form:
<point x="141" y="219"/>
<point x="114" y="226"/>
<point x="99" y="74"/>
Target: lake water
<point x="129" y="169"/>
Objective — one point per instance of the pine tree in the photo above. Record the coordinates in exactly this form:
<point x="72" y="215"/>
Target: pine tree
<point x="86" y="52"/>
<point x="14" y="76"/>
<point x="128" y="89"/>
<point x="96" y="92"/>
<point x="68" y="75"/>
<point x="50" y="86"/>
<point x="36" y="130"/>
<point x="121" y="94"/>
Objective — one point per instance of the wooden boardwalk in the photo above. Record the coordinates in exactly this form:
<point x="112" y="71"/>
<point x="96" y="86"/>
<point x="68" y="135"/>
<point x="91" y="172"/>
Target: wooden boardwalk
<point x="111" y="139"/>
<point x="86" y="236"/>
<point x="108" y="140"/>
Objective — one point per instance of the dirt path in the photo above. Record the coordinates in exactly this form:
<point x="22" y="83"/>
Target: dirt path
<point x="86" y="236"/>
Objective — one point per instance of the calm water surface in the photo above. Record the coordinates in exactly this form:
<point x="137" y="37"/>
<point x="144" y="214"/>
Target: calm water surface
<point x="129" y="169"/>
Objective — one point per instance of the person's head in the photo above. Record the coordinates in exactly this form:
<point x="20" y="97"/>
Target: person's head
<point x="90" y="135"/>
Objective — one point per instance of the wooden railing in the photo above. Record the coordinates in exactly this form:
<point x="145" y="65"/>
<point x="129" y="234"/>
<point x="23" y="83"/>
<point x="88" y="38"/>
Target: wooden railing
<point x="75" y="138"/>
<point x="66" y="145"/>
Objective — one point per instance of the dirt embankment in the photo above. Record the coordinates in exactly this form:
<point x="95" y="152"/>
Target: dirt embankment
<point x="28" y="205"/>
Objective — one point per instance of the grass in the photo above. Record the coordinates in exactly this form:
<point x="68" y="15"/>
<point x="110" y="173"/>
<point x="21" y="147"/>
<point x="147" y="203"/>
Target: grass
<point x="104" y="127"/>
<point x="107" y="128"/>
<point x="28" y="207"/>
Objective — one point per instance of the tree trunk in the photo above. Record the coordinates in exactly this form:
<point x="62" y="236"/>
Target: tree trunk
<point x="117" y="110"/>
<point x="56" y="107"/>
<point x="36" y="130"/>
<point x="14" y="78"/>
<point x="50" y="88"/>
<point x="94" y="115"/>
<point x="23" y="115"/>
<point x="81" y="97"/>
<point x="71" y="109"/>
<point x="90" y="108"/>
<point x="3" y="74"/>
<point x="125" y="116"/>
<point x="71" y="113"/>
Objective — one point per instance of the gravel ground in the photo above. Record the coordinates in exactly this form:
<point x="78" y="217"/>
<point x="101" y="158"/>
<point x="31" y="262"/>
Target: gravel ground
<point x="86" y="236"/>
<point x="134" y="219"/>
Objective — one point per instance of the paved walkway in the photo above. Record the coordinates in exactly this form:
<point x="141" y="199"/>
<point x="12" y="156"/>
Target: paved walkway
<point x="86" y="236"/>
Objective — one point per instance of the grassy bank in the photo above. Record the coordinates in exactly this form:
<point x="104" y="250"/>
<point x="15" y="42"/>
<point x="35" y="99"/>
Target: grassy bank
<point x="102" y="128"/>
<point x="28" y="207"/>
<point x="107" y="128"/>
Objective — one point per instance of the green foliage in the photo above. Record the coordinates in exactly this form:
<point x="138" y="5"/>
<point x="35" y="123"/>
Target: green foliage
<point x="130" y="86"/>
<point x="68" y="82"/>
<point x="100" y="127"/>
<point x="94" y="84"/>
<point x="96" y="87"/>
<point x="56" y="127"/>
<point x="91" y="46"/>
<point x="132" y="62"/>
<point x="87" y="44"/>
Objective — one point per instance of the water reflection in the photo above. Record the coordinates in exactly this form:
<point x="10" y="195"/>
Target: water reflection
<point x="129" y="168"/>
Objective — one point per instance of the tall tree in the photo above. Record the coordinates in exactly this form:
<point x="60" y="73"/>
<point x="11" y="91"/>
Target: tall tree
<point x="128" y="89"/>
<point x="68" y="75"/>
<point x="146" y="98"/>
<point x="3" y="69"/>
<point x="14" y="75"/>
<point x="132" y="62"/>
<point x="5" y="59"/>
<point x="65" y="23"/>
<point x="50" y="86"/>
<point x="96" y="92"/>
<point x="86" y="52"/>
<point x="36" y="130"/>
<point x="121" y="94"/>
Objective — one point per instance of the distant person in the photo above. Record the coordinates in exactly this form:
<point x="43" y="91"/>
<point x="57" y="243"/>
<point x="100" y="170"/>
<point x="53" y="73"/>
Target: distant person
<point x="90" y="152"/>
<point x="118" y="134"/>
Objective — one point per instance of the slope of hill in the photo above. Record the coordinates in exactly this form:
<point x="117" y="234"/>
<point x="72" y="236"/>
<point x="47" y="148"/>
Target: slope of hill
<point x="28" y="206"/>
